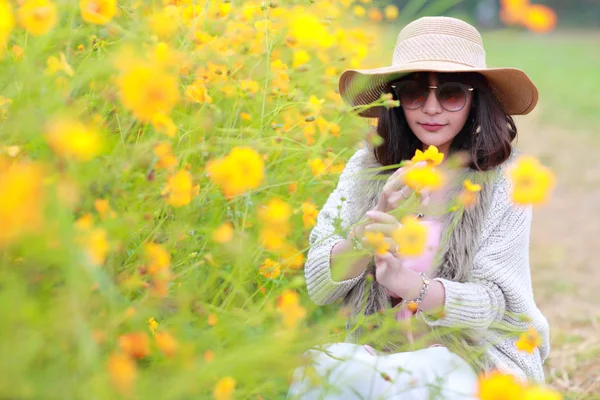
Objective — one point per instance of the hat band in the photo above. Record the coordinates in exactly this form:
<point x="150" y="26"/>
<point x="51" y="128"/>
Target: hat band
<point x="436" y="47"/>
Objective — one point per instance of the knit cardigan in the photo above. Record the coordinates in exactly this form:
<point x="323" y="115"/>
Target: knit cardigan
<point x="484" y="266"/>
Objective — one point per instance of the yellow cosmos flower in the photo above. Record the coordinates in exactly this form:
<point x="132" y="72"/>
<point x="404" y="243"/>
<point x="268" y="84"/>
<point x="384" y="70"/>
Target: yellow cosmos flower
<point x="425" y="177"/>
<point x="123" y="372"/>
<point x="499" y="386"/>
<point x="96" y="246"/>
<point x="377" y="241"/>
<point x="410" y="237"/>
<point x="37" y="16"/>
<point x="309" y="214"/>
<point x="291" y="256"/>
<point x="224" y="233"/>
<point x="164" y="22"/>
<point x="309" y="31"/>
<point x="317" y="166"/>
<point x="471" y="187"/>
<point x="431" y="155"/>
<point x="166" y="343"/>
<point x="270" y="269"/>
<point x="529" y="341"/>
<point x="146" y="90"/>
<point x="224" y="388"/>
<point x="53" y="65"/>
<point x="152" y="325"/>
<point x="21" y="200"/>
<point x="197" y="93"/>
<point x="540" y="393"/>
<point x="70" y="138"/>
<point x="104" y="209"/>
<point x="166" y="159"/>
<point x="359" y="11"/>
<point x="179" y="189"/>
<point x="157" y="257"/>
<point x="531" y="181"/>
<point x="273" y="237"/>
<point x="276" y="211"/>
<point x="163" y="124"/>
<point x="391" y="12"/>
<point x="98" y="12"/>
<point x="263" y="26"/>
<point x="7" y="22"/>
<point x="249" y="86"/>
<point x="238" y="172"/>
<point x="300" y="57"/>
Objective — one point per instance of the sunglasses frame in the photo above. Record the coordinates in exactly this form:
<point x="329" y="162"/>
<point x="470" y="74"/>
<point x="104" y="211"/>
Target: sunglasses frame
<point x="438" y="88"/>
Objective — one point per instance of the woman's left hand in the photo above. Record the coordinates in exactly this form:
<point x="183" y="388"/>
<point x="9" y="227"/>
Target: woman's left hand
<point x="391" y="273"/>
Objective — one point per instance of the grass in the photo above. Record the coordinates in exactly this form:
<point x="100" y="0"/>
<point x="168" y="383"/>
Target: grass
<point x="563" y="66"/>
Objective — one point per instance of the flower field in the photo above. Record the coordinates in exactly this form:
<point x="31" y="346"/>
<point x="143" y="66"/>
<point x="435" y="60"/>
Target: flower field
<point x="161" y="166"/>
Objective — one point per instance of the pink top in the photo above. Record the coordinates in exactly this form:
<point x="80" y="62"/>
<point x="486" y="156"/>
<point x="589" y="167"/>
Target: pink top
<point x="422" y="262"/>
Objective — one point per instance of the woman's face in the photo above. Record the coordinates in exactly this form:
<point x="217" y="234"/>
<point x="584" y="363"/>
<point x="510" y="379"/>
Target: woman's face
<point x="432" y="124"/>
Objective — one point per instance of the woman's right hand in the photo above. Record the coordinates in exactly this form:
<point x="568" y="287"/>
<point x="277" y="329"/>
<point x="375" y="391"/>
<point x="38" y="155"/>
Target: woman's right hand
<point x="394" y="191"/>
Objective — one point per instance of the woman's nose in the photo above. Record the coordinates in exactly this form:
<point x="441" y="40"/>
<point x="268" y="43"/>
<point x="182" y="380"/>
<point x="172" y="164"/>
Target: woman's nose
<point x="432" y="106"/>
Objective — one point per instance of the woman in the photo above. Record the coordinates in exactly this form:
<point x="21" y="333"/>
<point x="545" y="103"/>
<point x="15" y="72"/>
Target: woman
<point x="481" y="281"/>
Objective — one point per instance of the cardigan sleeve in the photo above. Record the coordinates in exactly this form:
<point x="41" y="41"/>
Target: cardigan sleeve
<point x="317" y="269"/>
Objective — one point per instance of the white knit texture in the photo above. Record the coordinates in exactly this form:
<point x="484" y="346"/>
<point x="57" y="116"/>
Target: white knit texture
<point x="501" y="279"/>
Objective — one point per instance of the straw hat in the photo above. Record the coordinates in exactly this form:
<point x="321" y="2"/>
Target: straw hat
<point x="440" y="44"/>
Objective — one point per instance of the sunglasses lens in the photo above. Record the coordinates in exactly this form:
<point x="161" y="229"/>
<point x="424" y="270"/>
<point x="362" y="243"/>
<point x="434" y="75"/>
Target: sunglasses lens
<point x="410" y="94"/>
<point x="452" y="97"/>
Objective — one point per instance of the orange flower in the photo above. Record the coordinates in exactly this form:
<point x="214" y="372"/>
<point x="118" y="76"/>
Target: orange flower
<point x="212" y="319"/>
<point x="21" y="200"/>
<point x="288" y="305"/>
<point x="540" y="18"/>
<point x="468" y="197"/>
<point x="158" y="258"/>
<point x="104" y="209"/>
<point x="135" y="344"/>
<point x="309" y="214"/>
<point x="123" y="372"/>
<point x="270" y="269"/>
<point x="166" y="343"/>
<point x="224" y="233"/>
<point x="166" y="159"/>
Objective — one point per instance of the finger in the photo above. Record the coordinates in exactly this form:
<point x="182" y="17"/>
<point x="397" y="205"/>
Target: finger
<point x="380" y="216"/>
<point x="425" y="196"/>
<point x="396" y="197"/>
<point x="387" y="258"/>
<point x="393" y="245"/>
<point x="393" y="184"/>
<point x="383" y="228"/>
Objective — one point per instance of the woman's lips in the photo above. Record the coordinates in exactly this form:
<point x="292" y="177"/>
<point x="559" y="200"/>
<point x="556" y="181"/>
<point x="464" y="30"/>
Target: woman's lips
<point x="432" y="127"/>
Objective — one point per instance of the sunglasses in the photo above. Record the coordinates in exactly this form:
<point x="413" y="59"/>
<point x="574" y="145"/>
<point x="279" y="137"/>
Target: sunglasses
<point x="451" y="95"/>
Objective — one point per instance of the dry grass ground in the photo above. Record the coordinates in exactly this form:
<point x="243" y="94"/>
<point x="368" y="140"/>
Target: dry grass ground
<point x="564" y="243"/>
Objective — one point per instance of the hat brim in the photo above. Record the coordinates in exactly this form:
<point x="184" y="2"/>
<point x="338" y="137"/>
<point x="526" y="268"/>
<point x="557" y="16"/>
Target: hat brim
<point x="512" y="87"/>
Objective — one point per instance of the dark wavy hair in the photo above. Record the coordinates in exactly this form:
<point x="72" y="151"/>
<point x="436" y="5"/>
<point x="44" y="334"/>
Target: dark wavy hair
<point x="487" y="148"/>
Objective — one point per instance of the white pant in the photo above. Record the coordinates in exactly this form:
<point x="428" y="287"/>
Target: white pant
<point x="427" y="374"/>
